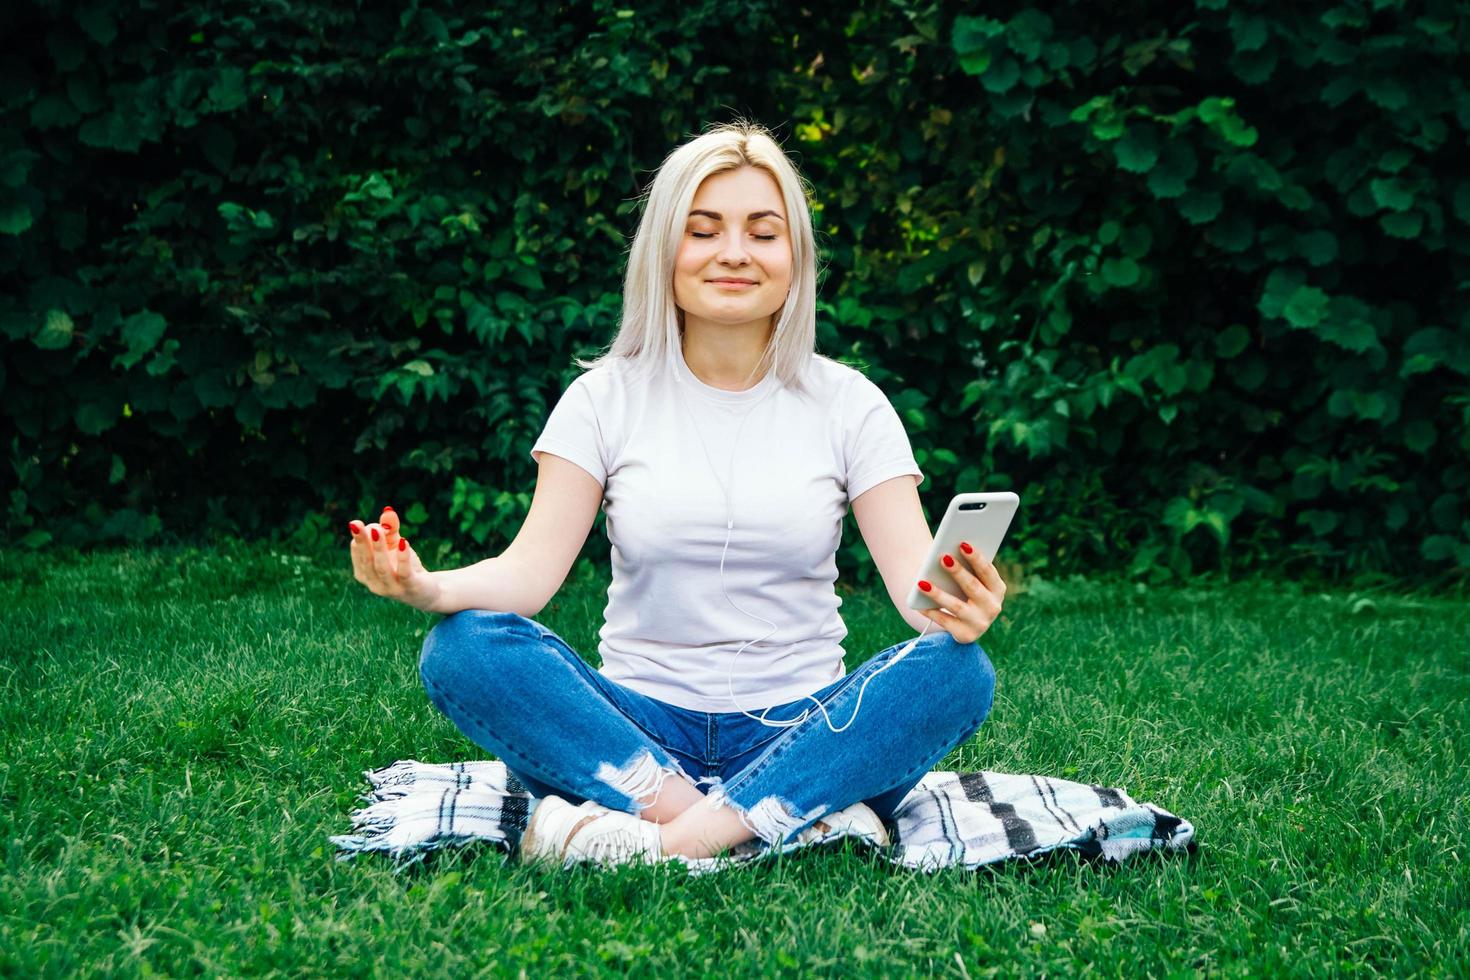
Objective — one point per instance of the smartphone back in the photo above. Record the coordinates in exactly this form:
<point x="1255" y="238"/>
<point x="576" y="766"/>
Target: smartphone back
<point x="978" y="518"/>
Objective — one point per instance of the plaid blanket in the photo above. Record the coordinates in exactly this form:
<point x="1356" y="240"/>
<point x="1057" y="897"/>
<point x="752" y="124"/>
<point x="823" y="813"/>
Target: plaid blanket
<point x="962" y="819"/>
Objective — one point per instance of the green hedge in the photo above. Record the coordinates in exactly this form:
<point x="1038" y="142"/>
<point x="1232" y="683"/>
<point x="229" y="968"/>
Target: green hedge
<point x="1191" y="280"/>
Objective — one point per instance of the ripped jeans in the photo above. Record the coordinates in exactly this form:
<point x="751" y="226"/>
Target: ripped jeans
<point x="517" y="689"/>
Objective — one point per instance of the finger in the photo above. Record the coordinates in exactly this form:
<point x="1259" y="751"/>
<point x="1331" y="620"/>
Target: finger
<point x="963" y="577"/>
<point x="408" y="559"/>
<point x="382" y="564"/>
<point x="986" y="570"/>
<point x="947" y="602"/>
<point x="978" y="612"/>
<point x="391" y="525"/>
<point x="361" y="554"/>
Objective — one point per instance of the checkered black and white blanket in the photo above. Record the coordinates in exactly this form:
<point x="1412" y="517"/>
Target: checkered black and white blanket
<point x="962" y="819"/>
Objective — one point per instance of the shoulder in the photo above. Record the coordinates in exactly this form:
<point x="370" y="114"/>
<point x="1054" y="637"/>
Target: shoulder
<point x="854" y="391"/>
<point x="603" y="380"/>
<point x="832" y="378"/>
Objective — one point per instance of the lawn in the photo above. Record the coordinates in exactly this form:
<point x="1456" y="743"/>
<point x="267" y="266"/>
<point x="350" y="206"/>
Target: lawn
<point x="183" y="730"/>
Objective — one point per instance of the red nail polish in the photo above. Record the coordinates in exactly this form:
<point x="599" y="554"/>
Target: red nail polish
<point x="925" y="585"/>
<point x="965" y="547"/>
<point x="948" y="562"/>
<point x="352" y="528"/>
<point x="388" y="508"/>
<point x="402" y="544"/>
<point x="375" y="534"/>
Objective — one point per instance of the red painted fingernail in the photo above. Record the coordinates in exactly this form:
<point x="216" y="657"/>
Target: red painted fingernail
<point x="352" y="528"/>
<point x="925" y="585"/>
<point x="388" y="508"/>
<point x="966" y="548"/>
<point x="375" y="534"/>
<point x="948" y="562"/>
<point x="402" y="544"/>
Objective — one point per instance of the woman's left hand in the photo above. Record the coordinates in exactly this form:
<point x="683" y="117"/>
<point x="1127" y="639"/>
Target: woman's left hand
<point x="983" y="588"/>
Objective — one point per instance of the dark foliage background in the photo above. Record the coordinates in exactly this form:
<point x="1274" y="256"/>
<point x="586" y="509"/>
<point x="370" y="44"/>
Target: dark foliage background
<point x="1191" y="279"/>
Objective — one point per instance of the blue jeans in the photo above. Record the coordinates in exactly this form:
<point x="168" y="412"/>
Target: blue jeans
<point x="517" y="689"/>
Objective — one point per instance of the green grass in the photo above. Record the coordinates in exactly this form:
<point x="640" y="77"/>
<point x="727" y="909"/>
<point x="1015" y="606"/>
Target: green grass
<point x="183" y="730"/>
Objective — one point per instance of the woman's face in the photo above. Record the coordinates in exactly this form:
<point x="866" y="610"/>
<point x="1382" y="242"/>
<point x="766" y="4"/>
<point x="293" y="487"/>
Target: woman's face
<point x="736" y="229"/>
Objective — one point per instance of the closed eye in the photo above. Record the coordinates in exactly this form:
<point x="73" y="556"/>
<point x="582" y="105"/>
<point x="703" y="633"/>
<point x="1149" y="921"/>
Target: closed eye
<point x="701" y="234"/>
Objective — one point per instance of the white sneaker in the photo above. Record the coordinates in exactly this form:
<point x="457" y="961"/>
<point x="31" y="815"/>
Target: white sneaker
<point x="558" y="831"/>
<point x="857" y="820"/>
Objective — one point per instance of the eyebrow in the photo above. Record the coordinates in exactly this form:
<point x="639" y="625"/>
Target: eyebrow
<point x="749" y="217"/>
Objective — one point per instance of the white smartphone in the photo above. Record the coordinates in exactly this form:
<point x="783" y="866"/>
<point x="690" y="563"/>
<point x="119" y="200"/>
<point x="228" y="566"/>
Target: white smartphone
<point x="981" y="519"/>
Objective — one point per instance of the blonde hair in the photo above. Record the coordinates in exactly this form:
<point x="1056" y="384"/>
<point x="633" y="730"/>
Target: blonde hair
<point x="648" y="337"/>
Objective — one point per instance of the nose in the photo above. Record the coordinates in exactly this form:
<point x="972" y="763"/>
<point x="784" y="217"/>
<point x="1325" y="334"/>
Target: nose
<point x="733" y="252"/>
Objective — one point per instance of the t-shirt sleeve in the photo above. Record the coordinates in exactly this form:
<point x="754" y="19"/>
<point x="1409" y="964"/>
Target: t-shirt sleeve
<point x="877" y="446"/>
<point x="572" y="431"/>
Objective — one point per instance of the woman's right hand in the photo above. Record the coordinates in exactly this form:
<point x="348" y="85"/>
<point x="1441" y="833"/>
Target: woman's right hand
<point x="389" y="566"/>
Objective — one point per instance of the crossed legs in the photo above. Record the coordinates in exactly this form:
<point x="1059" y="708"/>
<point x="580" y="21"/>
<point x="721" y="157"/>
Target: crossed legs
<point x="513" y="687"/>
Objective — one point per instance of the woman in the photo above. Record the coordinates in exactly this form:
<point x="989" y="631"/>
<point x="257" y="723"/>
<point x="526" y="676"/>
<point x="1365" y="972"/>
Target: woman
<point x="725" y="452"/>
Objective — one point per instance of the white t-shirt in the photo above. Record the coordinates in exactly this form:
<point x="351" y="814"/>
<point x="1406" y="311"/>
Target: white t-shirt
<point x="669" y="630"/>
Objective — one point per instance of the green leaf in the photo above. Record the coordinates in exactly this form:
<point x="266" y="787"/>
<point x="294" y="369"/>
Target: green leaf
<point x="1254" y="67"/>
<point x="1395" y="160"/>
<point x="1027" y="32"/>
<point x="98" y="22"/>
<point x="1280" y="285"/>
<point x="227" y="92"/>
<point x="1307" y="307"/>
<point x="15" y="168"/>
<point x="95" y="418"/>
<point x="15" y="218"/>
<point x="1320" y="521"/>
<point x="1317" y="247"/>
<point x="53" y="110"/>
<point x="1438" y="547"/>
<point x="141" y="332"/>
<point x="975" y="62"/>
<point x="1138" y="150"/>
<point x="1214" y="108"/>
<point x="1250" y="169"/>
<point x="112" y="130"/>
<point x="1392" y="192"/>
<point x="1177" y="164"/>
<point x="1219" y="113"/>
<point x="1234" y="232"/>
<point x="1248" y="31"/>
<point x="1137" y="240"/>
<point x="1296" y="197"/>
<point x="1008" y="105"/>
<point x="56" y="332"/>
<point x="1199" y="206"/>
<point x="1403" y="224"/>
<point x="1120" y="272"/>
<point x="1462" y="202"/>
<point x="1232" y="340"/>
<point x="973" y="33"/>
<point x="1432" y="347"/>
<point x="528" y="276"/>
<point x="1386" y="91"/>
<point x="1170" y="379"/>
<point x="971" y="36"/>
<point x="1419" y="435"/>
<point x="1001" y="75"/>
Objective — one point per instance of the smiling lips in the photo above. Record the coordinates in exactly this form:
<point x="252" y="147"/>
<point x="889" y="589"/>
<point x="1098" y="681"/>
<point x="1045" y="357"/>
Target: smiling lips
<point x="734" y="283"/>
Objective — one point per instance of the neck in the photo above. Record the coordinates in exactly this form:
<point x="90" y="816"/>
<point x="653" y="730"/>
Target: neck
<point x="724" y="355"/>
